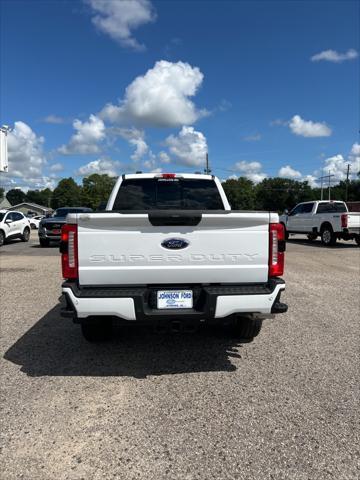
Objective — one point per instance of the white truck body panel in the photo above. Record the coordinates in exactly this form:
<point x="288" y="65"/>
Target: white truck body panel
<point x="353" y="221"/>
<point x="125" y="249"/>
<point x="229" y="304"/>
<point x="306" y="222"/>
<point x="124" y="307"/>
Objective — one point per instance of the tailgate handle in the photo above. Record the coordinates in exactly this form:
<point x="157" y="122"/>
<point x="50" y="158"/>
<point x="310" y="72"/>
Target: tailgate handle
<point x="165" y="219"/>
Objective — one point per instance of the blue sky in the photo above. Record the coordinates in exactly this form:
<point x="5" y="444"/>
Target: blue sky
<point x="268" y="88"/>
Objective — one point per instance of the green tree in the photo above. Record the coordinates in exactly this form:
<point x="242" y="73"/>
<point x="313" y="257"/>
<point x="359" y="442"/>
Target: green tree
<point x="16" y="196"/>
<point x="96" y="189"/>
<point x="66" y="194"/>
<point x="240" y="193"/>
<point x="277" y="194"/>
<point x="41" y="197"/>
<point x="354" y="191"/>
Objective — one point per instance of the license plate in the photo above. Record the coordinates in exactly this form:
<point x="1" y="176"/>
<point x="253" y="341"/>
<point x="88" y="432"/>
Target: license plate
<point x="56" y="232"/>
<point x="174" y="299"/>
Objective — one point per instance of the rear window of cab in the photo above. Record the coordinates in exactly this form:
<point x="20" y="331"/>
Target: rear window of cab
<point x="166" y="194"/>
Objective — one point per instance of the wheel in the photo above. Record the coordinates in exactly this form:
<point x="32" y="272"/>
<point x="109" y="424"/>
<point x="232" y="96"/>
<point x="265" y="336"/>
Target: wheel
<point x="33" y="226"/>
<point x="97" y="330"/>
<point x="312" y="236"/>
<point x="26" y="235"/>
<point x="246" y="328"/>
<point x="2" y="238"/>
<point x="328" y="237"/>
<point x="44" y="242"/>
<point x="357" y="239"/>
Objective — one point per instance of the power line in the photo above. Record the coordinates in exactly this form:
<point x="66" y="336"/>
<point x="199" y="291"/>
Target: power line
<point x="347" y="182"/>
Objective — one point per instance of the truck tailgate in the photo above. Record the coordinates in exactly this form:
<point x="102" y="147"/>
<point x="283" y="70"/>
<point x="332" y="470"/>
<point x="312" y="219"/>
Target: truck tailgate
<point x="353" y="220"/>
<point x="126" y="249"/>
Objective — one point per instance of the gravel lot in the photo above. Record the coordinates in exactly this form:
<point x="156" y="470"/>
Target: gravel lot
<point x="198" y="406"/>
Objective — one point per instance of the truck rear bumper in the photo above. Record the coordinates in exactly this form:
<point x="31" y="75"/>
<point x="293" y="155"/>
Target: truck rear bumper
<point x="211" y="303"/>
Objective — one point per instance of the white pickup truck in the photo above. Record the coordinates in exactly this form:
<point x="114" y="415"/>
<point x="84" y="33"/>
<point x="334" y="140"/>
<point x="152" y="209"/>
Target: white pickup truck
<point x="330" y="220"/>
<point x="169" y="252"/>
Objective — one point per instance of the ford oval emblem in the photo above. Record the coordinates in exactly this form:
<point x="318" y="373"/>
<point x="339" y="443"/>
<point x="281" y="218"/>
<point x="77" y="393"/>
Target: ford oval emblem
<point x="175" y="243"/>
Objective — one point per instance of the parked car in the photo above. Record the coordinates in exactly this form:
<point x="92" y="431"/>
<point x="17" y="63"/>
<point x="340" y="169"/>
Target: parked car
<point x="35" y="221"/>
<point x="50" y="226"/>
<point x="169" y="251"/>
<point x="330" y="220"/>
<point x="13" y="225"/>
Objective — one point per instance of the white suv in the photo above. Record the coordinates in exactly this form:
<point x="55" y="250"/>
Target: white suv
<point x="13" y="225"/>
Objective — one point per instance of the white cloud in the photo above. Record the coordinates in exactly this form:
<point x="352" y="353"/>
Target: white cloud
<point x="164" y="157"/>
<point x="160" y="98"/>
<point x="136" y="138"/>
<point x="54" y="119"/>
<point x="118" y="18"/>
<point x="102" y="165"/>
<point x="224" y="105"/>
<point x="25" y="151"/>
<point x="27" y="160"/>
<point x="312" y="181"/>
<point x="278" y="122"/>
<point x="150" y="165"/>
<point x="252" y="138"/>
<point x="251" y="170"/>
<point x="56" y="167"/>
<point x="248" y="167"/>
<point x="337" y="166"/>
<point x="232" y="177"/>
<point x="334" y="56"/>
<point x="307" y="128"/>
<point x="189" y="147"/>
<point x="355" y="150"/>
<point x="289" y="172"/>
<point x="85" y="140"/>
<point x="256" y="177"/>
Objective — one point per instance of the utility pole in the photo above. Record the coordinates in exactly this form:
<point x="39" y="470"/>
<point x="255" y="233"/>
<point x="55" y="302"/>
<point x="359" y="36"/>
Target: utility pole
<point x="321" y="178"/>
<point x="347" y="182"/>
<point x="207" y="170"/>
<point x="324" y="177"/>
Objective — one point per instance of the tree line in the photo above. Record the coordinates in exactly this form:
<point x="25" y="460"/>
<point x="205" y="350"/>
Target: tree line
<point x="275" y="194"/>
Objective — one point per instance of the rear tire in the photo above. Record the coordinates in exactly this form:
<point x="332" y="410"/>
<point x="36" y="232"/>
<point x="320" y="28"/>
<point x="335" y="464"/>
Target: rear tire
<point x="97" y="330"/>
<point x="44" y="242"/>
<point x="246" y="328"/>
<point x="357" y="240"/>
<point x="26" y="235"/>
<point x="2" y="238"/>
<point x="328" y="238"/>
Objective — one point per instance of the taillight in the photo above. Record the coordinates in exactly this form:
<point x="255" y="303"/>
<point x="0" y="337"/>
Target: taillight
<point x="344" y="220"/>
<point x="69" y="251"/>
<point x="168" y="175"/>
<point x="276" y="249"/>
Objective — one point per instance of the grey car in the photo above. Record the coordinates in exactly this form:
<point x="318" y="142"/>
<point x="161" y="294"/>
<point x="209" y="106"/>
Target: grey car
<point x="50" y="227"/>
